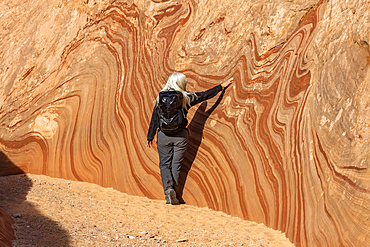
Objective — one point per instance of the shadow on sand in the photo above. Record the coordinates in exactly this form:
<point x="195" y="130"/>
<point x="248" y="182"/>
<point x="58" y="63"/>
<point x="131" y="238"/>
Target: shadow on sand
<point x="31" y="227"/>
<point x="195" y="127"/>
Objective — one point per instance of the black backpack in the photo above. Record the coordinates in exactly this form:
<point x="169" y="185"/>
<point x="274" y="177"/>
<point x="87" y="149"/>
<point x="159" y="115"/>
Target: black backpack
<point x="170" y="112"/>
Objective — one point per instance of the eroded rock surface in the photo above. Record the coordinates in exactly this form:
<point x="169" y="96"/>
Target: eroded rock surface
<point x="6" y="230"/>
<point x="287" y="145"/>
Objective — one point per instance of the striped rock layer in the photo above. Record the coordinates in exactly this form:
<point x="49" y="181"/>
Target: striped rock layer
<point x="287" y="144"/>
<point x="6" y="230"/>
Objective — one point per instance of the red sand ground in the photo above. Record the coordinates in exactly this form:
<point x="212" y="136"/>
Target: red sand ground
<point x="57" y="212"/>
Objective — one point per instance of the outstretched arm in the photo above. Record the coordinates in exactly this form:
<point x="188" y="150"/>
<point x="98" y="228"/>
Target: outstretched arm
<point x="210" y="93"/>
<point x="227" y="83"/>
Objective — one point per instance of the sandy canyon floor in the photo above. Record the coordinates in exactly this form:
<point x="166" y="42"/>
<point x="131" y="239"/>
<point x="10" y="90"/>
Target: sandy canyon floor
<point x="56" y="212"/>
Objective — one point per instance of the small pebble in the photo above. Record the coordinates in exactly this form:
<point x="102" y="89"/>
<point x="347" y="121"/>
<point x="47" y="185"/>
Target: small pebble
<point x="181" y="240"/>
<point x="17" y="215"/>
<point x="131" y="237"/>
<point x="144" y="232"/>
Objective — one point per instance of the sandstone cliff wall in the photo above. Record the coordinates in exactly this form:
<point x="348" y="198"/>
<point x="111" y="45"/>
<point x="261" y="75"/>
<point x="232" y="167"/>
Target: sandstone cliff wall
<point x="6" y="230"/>
<point x="287" y="145"/>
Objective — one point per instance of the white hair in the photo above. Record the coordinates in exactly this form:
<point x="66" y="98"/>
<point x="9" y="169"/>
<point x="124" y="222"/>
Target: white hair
<point x="177" y="82"/>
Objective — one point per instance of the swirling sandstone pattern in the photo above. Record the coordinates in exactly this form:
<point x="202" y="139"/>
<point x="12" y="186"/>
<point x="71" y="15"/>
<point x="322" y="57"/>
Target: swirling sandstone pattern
<point x="287" y="145"/>
<point x="6" y="230"/>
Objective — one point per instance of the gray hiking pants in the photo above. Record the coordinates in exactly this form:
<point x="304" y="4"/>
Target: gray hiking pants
<point x="171" y="150"/>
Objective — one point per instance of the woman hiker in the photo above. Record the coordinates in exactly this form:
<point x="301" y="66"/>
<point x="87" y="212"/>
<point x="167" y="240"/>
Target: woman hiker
<point x="169" y="116"/>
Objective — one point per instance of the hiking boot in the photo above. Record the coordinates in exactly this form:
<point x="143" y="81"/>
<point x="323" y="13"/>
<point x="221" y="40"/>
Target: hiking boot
<point x="167" y="200"/>
<point x="171" y="197"/>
